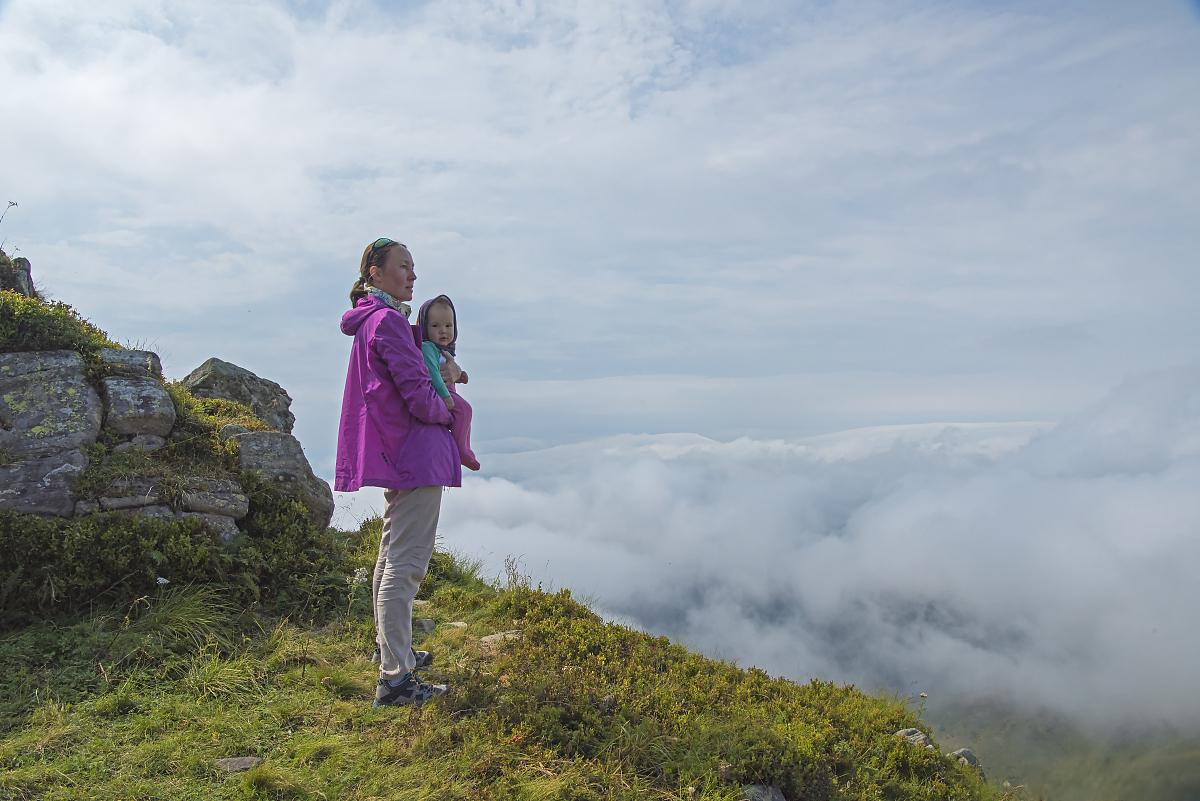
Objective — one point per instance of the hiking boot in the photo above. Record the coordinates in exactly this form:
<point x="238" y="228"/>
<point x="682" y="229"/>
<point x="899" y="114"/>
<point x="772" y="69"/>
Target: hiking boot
<point x="408" y="691"/>
<point x="421" y="659"/>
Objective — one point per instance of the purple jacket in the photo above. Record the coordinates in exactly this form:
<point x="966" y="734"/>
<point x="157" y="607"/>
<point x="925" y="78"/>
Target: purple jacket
<point x="394" y="431"/>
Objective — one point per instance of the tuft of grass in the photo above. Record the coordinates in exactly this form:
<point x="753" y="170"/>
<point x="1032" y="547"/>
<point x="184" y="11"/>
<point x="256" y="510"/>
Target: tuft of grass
<point x="209" y="675"/>
<point x="178" y="620"/>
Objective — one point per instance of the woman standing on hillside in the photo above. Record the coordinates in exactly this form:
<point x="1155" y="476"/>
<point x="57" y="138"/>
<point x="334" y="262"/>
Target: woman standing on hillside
<point x="394" y="434"/>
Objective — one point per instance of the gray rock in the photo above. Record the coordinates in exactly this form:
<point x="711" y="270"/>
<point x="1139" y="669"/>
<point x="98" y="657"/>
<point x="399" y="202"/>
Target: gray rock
<point x="278" y="458"/>
<point x="137" y="405"/>
<point x="965" y="756"/>
<point x="142" y="442"/>
<point x="214" y="496"/>
<point x="493" y="642"/>
<point x="236" y="764"/>
<point x="131" y="493"/>
<point x="220" y="379"/>
<point x="230" y="430"/>
<point x="916" y="737"/>
<point x="132" y="362"/>
<point x="424" y="625"/>
<point x="457" y="624"/>
<point x="763" y="792"/>
<point x="86" y="507"/>
<point x="46" y="404"/>
<point x="224" y="527"/>
<point x="157" y="511"/>
<point x="42" y="485"/>
<point x="16" y="275"/>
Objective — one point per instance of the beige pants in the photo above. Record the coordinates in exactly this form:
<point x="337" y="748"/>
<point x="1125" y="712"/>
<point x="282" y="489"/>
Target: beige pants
<point x="409" y="525"/>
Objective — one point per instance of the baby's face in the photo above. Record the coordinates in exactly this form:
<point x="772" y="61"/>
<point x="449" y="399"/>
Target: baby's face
<point x="440" y="323"/>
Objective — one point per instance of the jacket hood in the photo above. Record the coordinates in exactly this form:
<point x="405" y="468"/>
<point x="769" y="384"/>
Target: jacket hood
<point x="423" y="321"/>
<point x="353" y="319"/>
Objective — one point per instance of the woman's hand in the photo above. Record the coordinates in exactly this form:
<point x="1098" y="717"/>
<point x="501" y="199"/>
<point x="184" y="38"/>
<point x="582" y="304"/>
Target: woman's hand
<point x="449" y="401"/>
<point x="451" y="372"/>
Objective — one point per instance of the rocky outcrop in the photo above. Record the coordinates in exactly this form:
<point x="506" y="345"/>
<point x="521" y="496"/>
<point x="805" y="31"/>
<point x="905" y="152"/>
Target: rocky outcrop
<point x="278" y="458"/>
<point x="50" y="412"/>
<point x="16" y="275"/>
<point x="220" y="379"/>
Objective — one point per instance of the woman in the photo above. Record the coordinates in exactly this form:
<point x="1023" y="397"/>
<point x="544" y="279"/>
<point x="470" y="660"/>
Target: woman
<point x="394" y="434"/>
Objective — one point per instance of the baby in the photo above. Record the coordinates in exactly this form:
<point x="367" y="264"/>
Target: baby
<point x="439" y="330"/>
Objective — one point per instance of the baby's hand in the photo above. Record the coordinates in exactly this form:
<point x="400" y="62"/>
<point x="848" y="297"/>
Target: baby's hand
<point x="449" y="402"/>
<point x="450" y="372"/>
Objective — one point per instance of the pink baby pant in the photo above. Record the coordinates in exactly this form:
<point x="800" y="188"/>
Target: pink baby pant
<point x="461" y="427"/>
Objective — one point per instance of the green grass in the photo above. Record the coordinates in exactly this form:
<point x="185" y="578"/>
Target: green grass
<point x="142" y="701"/>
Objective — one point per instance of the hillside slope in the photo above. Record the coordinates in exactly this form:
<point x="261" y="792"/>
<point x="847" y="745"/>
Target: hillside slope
<point x="143" y="705"/>
<point x="137" y="653"/>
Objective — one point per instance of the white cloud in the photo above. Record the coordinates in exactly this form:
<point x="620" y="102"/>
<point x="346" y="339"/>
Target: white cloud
<point x="1045" y="565"/>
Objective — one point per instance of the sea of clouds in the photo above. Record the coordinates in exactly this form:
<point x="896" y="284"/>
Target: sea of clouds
<point x="1053" y="565"/>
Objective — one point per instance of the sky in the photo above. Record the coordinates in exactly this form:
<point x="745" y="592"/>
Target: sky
<point x="688" y="243"/>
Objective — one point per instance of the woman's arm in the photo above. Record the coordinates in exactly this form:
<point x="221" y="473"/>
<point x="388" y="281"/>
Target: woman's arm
<point x="393" y="341"/>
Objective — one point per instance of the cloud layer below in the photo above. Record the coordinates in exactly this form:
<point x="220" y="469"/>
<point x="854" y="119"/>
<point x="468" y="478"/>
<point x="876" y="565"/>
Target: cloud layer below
<point x="1045" y="565"/>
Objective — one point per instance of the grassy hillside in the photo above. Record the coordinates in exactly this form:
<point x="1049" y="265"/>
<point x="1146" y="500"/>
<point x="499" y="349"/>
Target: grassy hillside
<point x="142" y="703"/>
<point x="115" y="684"/>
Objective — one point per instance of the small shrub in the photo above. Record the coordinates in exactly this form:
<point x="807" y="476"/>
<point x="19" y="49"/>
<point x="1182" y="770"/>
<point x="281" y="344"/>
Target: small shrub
<point x="62" y="566"/>
<point x="28" y="324"/>
<point x="285" y="559"/>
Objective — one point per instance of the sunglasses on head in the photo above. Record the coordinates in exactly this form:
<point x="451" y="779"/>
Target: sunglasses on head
<point x="383" y="242"/>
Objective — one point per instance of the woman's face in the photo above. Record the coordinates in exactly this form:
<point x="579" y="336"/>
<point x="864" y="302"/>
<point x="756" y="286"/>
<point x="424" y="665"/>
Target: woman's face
<point x="395" y="274"/>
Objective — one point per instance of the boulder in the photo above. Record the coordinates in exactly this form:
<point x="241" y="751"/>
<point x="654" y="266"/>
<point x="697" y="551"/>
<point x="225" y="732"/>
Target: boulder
<point x="424" y="625"/>
<point x="42" y="485"/>
<point x="16" y="275"/>
<point x="220" y="379"/>
<point x="763" y="792"/>
<point x="214" y="496"/>
<point x="46" y="404"/>
<point x="279" y="459"/>
<point x="132" y="362"/>
<point x="137" y="405"/>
